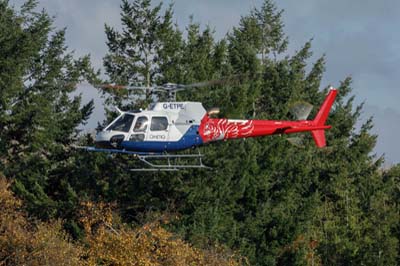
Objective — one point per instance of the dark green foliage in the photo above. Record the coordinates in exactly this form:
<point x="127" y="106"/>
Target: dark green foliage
<point x="276" y="203"/>
<point x="37" y="116"/>
<point x="146" y="51"/>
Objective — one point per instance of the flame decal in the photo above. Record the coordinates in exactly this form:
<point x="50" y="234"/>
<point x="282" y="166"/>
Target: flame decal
<point x="220" y="129"/>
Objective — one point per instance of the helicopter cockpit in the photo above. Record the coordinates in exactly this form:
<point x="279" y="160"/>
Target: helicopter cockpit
<point x="122" y="123"/>
<point x="137" y="127"/>
<point x="141" y="124"/>
<point x="165" y="122"/>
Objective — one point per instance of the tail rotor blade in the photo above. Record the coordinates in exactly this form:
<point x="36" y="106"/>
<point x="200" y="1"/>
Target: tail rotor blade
<point x="296" y="141"/>
<point x="301" y="110"/>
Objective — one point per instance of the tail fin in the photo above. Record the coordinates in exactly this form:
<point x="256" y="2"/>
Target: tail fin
<point x="319" y="137"/>
<point x="320" y="119"/>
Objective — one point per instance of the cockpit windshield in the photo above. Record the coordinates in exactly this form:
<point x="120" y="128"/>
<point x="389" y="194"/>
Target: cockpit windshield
<point x="123" y="123"/>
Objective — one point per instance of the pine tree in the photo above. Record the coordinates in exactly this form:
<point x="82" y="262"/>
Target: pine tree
<point x="146" y="51"/>
<point x="38" y="116"/>
<point x="281" y="204"/>
<point x="275" y="202"/>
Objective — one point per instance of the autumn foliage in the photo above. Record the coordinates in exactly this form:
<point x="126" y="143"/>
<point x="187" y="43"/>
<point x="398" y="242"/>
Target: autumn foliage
<point x="272" y="202"/>
<point x="108" y="241"/>
<point x="27" y="242"/>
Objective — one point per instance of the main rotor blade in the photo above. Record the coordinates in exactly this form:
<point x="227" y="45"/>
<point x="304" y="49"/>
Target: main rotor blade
<point x="224" y="80"/>
<point x="122" y="87"/>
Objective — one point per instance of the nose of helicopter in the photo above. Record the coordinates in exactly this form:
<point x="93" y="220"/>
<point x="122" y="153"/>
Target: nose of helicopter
<point x="109" y="139"/>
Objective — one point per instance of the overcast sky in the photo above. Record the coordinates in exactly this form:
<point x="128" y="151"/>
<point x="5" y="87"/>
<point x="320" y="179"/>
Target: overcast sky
<point x="359" y="37"/>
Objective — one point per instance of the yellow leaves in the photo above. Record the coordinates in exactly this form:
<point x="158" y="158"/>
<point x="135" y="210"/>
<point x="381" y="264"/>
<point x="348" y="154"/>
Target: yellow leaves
<point x="108" y="241"/>
<point x="51" y="246"/>
<point x="113" y="243"/>
<point x="7" y="200"/>
<point x="23" y="242"/>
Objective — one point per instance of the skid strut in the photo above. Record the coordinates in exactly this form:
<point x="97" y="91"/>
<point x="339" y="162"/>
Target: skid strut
<point x="158" y="161"/>
<point x="171" y="162"/>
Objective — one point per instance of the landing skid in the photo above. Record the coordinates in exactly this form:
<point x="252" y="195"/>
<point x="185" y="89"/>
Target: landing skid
<point x="171" y="162"/>
<point x="158" y="161"/>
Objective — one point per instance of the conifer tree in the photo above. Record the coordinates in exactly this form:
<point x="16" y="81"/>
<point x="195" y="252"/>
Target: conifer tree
<point x="283" y="204"/>
<point x="37" y="114"/>
<point x="275" y="202"/>
<point x="146" y="51"/>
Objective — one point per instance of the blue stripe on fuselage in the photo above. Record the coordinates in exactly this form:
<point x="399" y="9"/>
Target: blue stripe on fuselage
<point x="188" y="140"/>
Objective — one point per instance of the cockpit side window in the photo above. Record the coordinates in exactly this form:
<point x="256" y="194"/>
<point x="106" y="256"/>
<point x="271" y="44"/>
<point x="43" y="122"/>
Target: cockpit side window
<point x="141" y="124"/>
<point x="123" y="123"/>
<point x="159" y="123"/>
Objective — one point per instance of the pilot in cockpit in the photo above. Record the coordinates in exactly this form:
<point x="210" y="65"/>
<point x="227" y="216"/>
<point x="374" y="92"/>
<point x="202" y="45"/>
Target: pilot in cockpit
<point x="141" y="124"/>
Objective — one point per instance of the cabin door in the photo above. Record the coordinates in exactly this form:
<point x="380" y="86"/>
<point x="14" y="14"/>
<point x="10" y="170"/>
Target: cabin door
<point x="140" y="129"/>
<point x="159" y="129"/>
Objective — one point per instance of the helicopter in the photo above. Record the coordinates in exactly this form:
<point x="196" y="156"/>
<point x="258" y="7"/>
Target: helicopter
<point x="156" y="133"/>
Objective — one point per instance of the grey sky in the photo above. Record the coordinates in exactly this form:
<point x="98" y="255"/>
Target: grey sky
<point x="359" y="38"/>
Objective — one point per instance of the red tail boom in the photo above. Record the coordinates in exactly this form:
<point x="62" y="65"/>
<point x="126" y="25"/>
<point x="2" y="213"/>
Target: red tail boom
<point x="221" y="129"/>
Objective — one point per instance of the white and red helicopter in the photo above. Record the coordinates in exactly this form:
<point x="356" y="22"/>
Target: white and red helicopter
<point x="167" y="127"/>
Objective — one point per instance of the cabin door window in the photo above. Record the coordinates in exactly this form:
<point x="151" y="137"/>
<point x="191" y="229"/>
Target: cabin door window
<point x="140" y="129"/>
<point x="158" y="128"/>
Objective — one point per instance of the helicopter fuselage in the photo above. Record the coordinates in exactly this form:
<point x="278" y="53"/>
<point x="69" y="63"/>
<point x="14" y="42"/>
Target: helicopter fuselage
<point x="174" y="126"/>
<point x="166" y="126"/>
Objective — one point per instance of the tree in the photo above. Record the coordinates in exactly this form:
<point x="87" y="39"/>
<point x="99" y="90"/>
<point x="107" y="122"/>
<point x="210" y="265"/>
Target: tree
<point x="107" y="240"/>
<point x="37" y="114"/>
<point x="275" y="202"/>
<point x="24" y="242"/>
<point x="281" y="204"/>
<point x="147" y="49"/>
